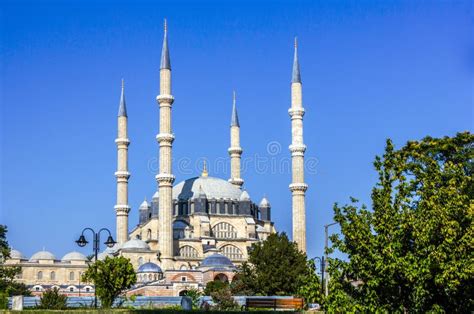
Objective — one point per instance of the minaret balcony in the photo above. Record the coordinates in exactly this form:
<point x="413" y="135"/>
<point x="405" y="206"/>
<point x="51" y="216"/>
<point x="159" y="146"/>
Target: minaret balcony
<point x="165" y="99"/>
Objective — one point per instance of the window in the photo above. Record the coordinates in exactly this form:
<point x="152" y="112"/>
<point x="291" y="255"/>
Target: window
<point x="39" y="276"/>
<point x="183" y="279"/>
<point x="71" y="275"/>
<point x="52" y="276"/>
<point x="188" y="251"/>
<point x="88" y="289"/>
<point x="224" y="230"/>
<point x="232" y="252"/>
<point x="37" y="288"/>
<point x="140" y="261"/>
<point x="71" y="289"/>
<point x="148" y="234"/>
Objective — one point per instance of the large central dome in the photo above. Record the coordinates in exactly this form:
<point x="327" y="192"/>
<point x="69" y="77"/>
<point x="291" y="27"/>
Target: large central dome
<point x="210" y="186"/>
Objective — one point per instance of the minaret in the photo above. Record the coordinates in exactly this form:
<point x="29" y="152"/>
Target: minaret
<point x="122" y="174"/>
<point x="235" y="151"/>
<point x="297" y="187"/>
<point x="165" y="177"/>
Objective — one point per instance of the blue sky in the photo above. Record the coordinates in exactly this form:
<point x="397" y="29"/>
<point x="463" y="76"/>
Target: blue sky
<point x="371" y="70"/>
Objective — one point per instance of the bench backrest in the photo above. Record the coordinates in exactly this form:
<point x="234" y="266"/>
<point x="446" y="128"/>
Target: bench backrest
<point x="295" y="303"/>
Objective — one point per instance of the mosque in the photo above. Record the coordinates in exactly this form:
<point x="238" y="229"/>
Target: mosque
<point x="191" y="232"/>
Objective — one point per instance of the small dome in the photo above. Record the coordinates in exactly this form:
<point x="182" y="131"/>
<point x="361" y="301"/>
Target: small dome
<point x="103" y="255"/>
<point x="264" y="202"/>
<point x="113" y="249"/>
<point x="156" y="195"/>
<point x="216" y="260"/>
<point x="15" y="254"/>
<point x="74" y="256"/>
<point x="42" y="255"/>
<point x="135" y="244"/>
<point x="149" y="268"/>
<point x="144" y="205"/>
<point x="245" y="196"/>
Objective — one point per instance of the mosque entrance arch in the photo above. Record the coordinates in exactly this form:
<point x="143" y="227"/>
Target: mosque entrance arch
<point x="183" y="293"/>
<point x="221" y="277"/>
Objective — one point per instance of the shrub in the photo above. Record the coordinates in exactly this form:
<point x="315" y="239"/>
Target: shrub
<point x="213" y="286"/>
<point x="3" y="301"/>
<point x="224" y="300"/>
<point x="194" y="294"/>
<point x="53" y="300"/>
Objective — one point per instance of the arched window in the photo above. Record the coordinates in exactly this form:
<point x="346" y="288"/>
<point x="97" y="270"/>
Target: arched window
<point x="188" y="251"/>
<point x="224" y="230"/>
<point x="140" y="261"/>
<point x="52" y="276"/>
<point x="148" y="234"/>
<point x="183" y="267"/>
<point x="221" y="277"/>
<point x="178" y="229"/>
<point x="71" y="275"/>
<point x="232" y="252"/>
<point x="39" y="276"/>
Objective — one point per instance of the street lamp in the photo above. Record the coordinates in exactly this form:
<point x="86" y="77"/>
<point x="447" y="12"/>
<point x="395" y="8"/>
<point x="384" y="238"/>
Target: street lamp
<point x="321" y="262"/>
<point x="96" y="246"/>
<point x="326" y="227"/>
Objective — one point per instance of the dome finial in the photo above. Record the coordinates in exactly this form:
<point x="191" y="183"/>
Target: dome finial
<point x="204" y="170"/>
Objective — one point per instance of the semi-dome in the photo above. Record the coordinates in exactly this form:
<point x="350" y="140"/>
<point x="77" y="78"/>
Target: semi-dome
<point x="42" y="255"/>
<point x="74" y="256"/>
<point x="149" y="268"/>
<point x="135" y="244"/>
<point x="15" y="254"/>
<point x="216" y="260"/>
<point x="212" y="187"/>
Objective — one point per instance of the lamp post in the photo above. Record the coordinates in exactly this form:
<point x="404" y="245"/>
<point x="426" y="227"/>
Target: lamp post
<point x="321" y="262"/>
<point x="96" y="246"/>
<point x="326" y="227"/>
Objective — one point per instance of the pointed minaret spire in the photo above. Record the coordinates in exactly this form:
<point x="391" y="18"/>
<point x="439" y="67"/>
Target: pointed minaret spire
<point x="235" y="151"/>
<point x="296" y="77"/>
<point x="122" y="107"/>
<point x="165" y="54"/>
<point x="235" y="118"/>
<point x="204" y="170"/>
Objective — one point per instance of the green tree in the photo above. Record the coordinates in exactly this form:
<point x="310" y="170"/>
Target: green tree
<point x="310" y="289"/>
<point x="414" y="250"/>
<point x="53" y="300"/>
<point x="8" y="285"/>
<point x="213" y="286"/>
<point x="275" y="267"/>
<point x="111" y="277"/>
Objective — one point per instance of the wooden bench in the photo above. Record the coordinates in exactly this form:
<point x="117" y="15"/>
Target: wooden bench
<point x="289" y="304"/>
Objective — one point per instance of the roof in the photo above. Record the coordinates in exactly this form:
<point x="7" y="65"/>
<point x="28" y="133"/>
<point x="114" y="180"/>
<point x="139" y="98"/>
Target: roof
<point x="216" y="260"/>
<point x="42" y="255"/>
<point x="245" y="196"/>
<point x="149" y="268"/>
<point x="296" y="75"/>
<point x="234" y="121"/>
<point x="122" y="106"/>
<point x="165" y="54"/>
<point x="264" y="202"/>
<point x="212" y="187"/>
<point x="74" y="256"/>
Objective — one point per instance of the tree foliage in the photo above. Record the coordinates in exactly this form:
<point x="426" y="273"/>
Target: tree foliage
<point x="53" y="300"/>
<point x="111" y="277"/>
<point x="414" y="250"/>
<point x="310" y="289"/>
<point x="275" y="267"/>
<point x="8" y="285"/>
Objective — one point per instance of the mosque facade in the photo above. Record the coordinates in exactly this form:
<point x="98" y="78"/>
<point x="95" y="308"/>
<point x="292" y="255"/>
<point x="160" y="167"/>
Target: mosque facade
<point x="189" y="233"/>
